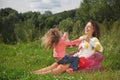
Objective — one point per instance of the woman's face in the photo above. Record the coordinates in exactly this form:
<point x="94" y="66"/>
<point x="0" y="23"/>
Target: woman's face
<point x="89" y="29"/>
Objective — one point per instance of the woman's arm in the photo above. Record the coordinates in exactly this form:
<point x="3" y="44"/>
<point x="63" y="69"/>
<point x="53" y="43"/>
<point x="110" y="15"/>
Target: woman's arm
<point x="96" y="44"/>
<point x="74" y="42"/>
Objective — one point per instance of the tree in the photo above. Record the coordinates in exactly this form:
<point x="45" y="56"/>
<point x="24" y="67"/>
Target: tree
<point x="48" y="13"/>
<point x="25" y="31"/>
<point x="82" y="13"/>
<point x="8" y="18"/>
<point x="66" y="25"/>
<point x="106" y="11"/>
<point x="77" y="29"/>
<point x="41" y="21"/>
<point x="49" y="22"/>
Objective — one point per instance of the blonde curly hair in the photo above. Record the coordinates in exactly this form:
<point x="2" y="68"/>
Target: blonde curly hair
<point x="51" y="38"/>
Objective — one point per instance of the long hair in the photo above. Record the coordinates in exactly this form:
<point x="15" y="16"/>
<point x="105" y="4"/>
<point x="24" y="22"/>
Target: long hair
<point x="51" y="38"/>
<point x="96" y="32"/>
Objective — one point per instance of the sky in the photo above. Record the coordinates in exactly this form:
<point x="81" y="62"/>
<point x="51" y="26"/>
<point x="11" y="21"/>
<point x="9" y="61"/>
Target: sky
<point x="55" y="6"/>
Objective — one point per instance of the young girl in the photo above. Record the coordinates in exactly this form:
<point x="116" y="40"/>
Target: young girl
<point x="54" y="39"/>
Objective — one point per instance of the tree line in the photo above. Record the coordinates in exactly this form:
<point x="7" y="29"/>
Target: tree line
<point x="29" y="26"/>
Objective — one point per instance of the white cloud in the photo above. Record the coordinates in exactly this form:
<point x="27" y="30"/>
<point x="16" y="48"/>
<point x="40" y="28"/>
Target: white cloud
<point x="40" y="5"/>
<point x="21" y="6"/>
<point x="46" y="1"/>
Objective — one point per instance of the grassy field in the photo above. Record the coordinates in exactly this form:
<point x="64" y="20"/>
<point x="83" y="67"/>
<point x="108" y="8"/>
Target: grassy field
<point x="17" y="61"/>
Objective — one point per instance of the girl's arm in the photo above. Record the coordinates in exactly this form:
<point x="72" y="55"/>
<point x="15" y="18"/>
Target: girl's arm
<point x="96" y="44"/>
<point x="74" y="42"/>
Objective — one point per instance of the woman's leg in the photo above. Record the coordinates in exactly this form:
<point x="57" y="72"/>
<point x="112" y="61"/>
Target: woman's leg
<point x="58" y="70"/>
<point x="54" y="65"/>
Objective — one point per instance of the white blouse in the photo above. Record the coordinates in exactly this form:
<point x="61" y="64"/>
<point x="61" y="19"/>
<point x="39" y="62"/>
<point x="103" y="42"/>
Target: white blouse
<point x="87" y="49"/>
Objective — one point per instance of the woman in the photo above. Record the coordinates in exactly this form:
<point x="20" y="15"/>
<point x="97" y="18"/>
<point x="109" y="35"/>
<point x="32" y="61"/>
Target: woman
<point x="89" y="46"/>
<point x="90" y="41"/>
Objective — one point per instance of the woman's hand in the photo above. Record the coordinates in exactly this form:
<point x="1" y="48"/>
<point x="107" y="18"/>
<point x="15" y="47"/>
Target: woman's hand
<point x="86" y="38"/>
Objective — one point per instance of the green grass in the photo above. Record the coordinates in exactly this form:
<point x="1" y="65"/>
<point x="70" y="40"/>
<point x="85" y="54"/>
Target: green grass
<point x="17" y="61"/>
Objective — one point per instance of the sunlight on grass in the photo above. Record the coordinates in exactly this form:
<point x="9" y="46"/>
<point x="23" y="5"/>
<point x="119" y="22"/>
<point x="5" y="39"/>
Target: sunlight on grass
<point x="17" y="61"/>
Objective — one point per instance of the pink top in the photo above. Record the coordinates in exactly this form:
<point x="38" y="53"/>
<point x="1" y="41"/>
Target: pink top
<point x="59" y="49"/>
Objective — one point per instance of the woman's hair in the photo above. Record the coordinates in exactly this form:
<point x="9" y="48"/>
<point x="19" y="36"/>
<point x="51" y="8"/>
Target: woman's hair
<point x="96" y="32"/>
<point x="51" y="38"/>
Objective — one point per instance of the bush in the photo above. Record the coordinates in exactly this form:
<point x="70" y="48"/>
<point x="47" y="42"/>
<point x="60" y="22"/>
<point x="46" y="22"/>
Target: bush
<point x="25" y="31"/>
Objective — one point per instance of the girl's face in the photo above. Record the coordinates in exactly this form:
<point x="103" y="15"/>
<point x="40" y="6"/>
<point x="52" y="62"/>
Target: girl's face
<point x="89" y="29"/>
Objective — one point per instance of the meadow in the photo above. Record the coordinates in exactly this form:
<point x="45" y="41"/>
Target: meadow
<point x="17" y="61"/>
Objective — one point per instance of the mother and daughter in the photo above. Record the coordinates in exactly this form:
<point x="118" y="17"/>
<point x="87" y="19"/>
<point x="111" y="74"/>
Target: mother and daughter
<point x="88" y="48"/>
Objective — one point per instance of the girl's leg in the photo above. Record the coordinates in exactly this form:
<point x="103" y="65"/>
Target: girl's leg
<point x="61" y="68"/>
<point x="54" y="65"/>
<point x="58" y="70"/>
